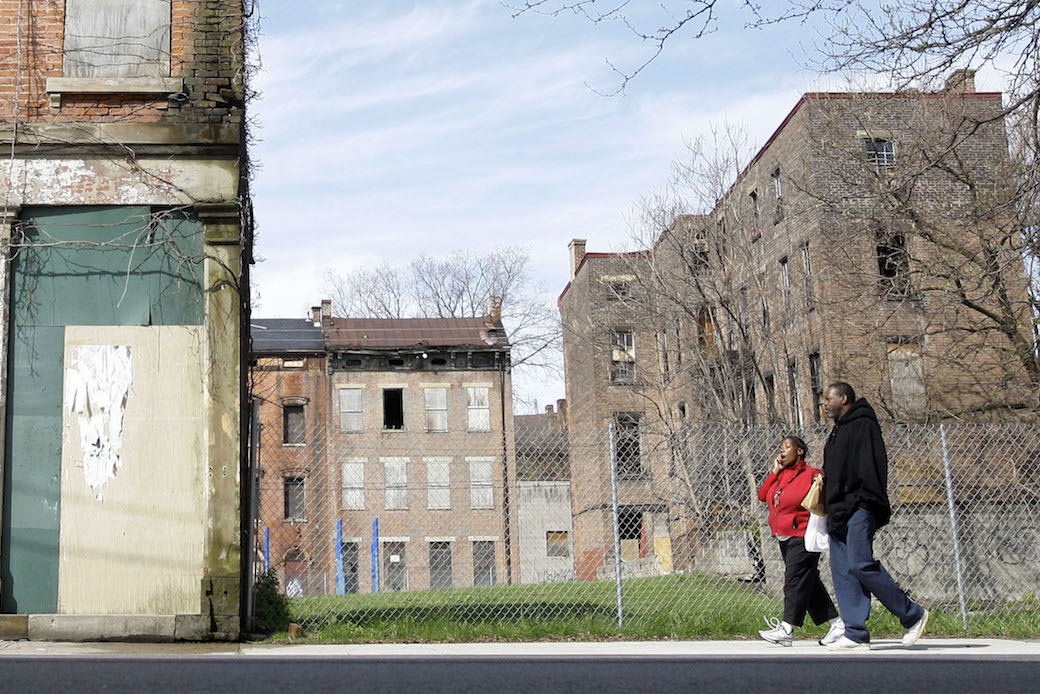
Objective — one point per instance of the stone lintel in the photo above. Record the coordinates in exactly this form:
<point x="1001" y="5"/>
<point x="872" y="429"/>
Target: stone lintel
<point x="37" y="134"/>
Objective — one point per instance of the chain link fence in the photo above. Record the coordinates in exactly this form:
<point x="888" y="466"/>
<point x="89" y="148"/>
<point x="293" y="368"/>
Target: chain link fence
<point x="530" y="524"/>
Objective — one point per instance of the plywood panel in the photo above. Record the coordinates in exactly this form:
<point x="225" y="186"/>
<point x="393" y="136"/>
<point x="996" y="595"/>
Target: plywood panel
<point x="139" y="549"/>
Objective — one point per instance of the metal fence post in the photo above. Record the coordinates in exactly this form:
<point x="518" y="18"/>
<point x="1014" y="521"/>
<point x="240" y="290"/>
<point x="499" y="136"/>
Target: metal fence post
<point x="953" y="524"/>
<point x="617" y="531"/>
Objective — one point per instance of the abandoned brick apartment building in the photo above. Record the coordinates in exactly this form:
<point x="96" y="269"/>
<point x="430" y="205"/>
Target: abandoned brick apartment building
<point x="856" y="245"/>
<point x="126" y="238"/>
<point x="385" y="452"/>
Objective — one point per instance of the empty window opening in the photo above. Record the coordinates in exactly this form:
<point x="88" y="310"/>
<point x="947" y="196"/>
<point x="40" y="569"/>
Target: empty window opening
<point x="292" y="424"/>
<point x="617" y="291"/>
<point x="294" y="496"/>
<point x="893" y="263"/>
<point x="778" y="193"/>
<point x="393" y="408"/>
<point x="395" y="572"/>
<point x="440" y="565"/>
<point x="622" y="356"/>
<point x="483" y="563"/>
<point x="627" y="444"/>
<point x="816" y="383"/>
<point x="630" y="530"/>
<point x="351" y="567"/>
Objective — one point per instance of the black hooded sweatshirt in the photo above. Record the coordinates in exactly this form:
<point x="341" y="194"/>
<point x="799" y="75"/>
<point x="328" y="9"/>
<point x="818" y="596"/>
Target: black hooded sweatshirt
<point x="855" y="468"/>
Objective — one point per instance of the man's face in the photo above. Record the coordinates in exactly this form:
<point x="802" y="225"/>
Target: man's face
<point x="833" y="403"/>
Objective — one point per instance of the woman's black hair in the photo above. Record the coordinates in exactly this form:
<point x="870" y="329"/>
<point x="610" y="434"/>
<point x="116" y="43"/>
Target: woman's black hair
<point x="799" y="443"/>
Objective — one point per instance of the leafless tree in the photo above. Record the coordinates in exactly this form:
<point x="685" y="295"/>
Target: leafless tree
<point x="460" y="284"/>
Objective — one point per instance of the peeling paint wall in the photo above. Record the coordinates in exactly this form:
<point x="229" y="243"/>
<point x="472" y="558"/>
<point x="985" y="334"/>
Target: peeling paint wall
<point x="139" y="548"/>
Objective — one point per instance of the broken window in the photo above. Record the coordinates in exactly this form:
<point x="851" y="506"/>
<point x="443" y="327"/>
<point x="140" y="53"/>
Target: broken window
<point x="778" y="194"/>
<point x="483" y="563"/>
<point x="295" y="498"/>
<point x="395" y="573"/>
<point x="627" y="445"/>
<point x="438" y="483"/>
<point x="617" y="290"/>
<point x="756" y="216"/>
<point x="350" y="414"/>
<point x="393" y="408"/>
<point x="794" y="401"/>
<point x="630" y="531"/>
<point x="893" y="263"/>
<point x="395" y="483"/>
<point x="436" y="409"/>
<point x="816" y="383"/>
<point x="906" y="374"/>
<point x="880" y="152"/>
<point x="351" y="567"/>
<point x="785" y="286"/>
<point x="810" y="290"/>
<point x="352" y="484"/>
<point x="557" y="544"/>
<point x="440" y="565"/>
<point x="292" y="424"/>
<point x="116" y="38"/>
<point x="478" y="408"/>
<point x="622" y="357"/>
<point x="481" y="482"/>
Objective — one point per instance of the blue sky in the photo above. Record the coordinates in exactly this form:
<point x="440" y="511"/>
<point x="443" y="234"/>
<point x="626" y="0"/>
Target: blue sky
<point x="390" y="129"/>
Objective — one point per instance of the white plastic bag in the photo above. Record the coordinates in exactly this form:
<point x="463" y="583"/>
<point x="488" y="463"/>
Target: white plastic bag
<point x="816" y="538"/>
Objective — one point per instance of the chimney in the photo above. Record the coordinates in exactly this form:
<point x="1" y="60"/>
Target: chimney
<point x="961" y="82"/>
<point x="316" y="316"/>
<point x="549" y="410"/>
<point x="326" y="312"/>
<point x="577" y="249"/>
<point x="561" y="410"/>
<point x="494" y="313"/>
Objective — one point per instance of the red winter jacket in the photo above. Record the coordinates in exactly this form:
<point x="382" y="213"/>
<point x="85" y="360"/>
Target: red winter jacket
<point x="783" y="493"/>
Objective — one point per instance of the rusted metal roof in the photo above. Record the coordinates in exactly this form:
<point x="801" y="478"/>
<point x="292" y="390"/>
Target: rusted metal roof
<point x="377" y="333"/>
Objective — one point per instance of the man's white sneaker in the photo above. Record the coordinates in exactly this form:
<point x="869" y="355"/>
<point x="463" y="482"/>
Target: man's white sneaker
<point x="911" y="635"/>
<point x="777" y="634"/>
<point x="844" y="643"/>
<point x="836" y="631"/>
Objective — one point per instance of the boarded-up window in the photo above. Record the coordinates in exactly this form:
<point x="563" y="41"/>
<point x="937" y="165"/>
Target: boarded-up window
<point x="438" y="482"/>
<point x="557" y="544"/>
<point x="292" y="424"/>
<point x="483" y="563"/>
<point x="395" y="478"/>
<point x="350" y="413"/>
<point x="117" y="38"/>
<point x="436" y="409"/>
<point x="440" y="565"/>
<point x="478" y="409"/>
<point x="481" y="487"/>
<point x="353" y="484"/>
<point x="906" y="369"/>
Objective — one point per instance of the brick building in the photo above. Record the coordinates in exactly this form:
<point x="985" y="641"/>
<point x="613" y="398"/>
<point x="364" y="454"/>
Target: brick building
<point x="851" y="247"/>
<point x="396" y="477"/>
<point x="125" y="239"/>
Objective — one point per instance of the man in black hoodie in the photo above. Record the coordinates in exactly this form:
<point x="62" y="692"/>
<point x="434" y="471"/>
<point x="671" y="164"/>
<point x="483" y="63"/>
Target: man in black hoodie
<point x="855" y="473"/>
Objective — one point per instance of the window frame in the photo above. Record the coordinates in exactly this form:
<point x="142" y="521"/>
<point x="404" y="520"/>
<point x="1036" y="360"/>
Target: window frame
<point x="623" y="368"/>
<point x="479" y="489"/>
<point x="399" y="488"/>
<point x="357" y="485"/>
<point x="475" y="424"/>
<point x="442" y="487"/>
<point x="882" y="158"/>
<point x="287" y="410"/>
<point x="300" y="482"/>
<point x="359" y="413"/>
<point x="554" y="548"/>
<point x="443" y="410"/>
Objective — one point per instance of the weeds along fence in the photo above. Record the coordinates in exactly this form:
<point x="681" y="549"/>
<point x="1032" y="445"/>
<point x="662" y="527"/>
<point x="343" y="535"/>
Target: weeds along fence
<point x="624" y="527"/>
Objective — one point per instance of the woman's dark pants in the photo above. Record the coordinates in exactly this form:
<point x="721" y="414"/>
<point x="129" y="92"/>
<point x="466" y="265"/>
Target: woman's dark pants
<point x="803" y="589"/>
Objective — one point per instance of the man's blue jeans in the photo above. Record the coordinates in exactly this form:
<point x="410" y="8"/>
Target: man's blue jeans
<point x="857" y="575"/>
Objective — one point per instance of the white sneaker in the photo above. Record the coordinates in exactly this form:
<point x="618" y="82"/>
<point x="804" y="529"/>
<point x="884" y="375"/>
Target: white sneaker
<point x="844" y="643"/>
<point x="911" y="635"/>
<point x="777" y="634"/>
<point x="836" y="631"/>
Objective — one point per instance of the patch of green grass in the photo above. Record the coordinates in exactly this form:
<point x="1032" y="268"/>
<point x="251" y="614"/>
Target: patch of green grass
<point x="678" y="606"/>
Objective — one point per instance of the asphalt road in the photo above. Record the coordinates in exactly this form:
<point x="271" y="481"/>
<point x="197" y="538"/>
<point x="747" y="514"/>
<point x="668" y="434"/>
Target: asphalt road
<point x="494" y="675"/>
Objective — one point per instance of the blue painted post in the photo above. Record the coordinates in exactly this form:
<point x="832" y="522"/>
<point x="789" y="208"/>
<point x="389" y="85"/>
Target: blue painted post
<point x="375" y="555"/>
<point x="267" y="550"/>
<point x="341" y="579"/>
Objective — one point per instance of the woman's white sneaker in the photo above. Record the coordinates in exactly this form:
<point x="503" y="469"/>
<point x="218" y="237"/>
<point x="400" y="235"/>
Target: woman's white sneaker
<point x="780" y="633"/>
<point x="836" y="631"/>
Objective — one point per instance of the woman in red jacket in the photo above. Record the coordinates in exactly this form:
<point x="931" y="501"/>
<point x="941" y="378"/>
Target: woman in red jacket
<point x="783" y="490"/>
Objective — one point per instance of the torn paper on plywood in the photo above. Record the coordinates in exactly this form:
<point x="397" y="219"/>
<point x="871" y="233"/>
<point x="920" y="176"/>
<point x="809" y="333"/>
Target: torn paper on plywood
<point x="96" y="385"/>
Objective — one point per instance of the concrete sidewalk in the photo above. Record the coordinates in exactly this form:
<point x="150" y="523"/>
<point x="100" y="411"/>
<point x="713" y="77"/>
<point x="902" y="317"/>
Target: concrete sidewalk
<point x="959" y="649"/>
